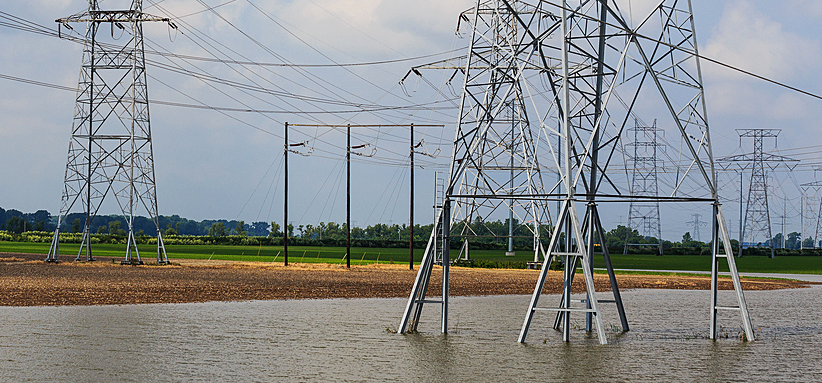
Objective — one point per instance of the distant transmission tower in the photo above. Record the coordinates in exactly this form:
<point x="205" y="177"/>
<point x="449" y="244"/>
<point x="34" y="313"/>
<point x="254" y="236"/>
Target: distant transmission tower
<point x="540" y="71"/>
<point x="110" y="150"/>
<point x="811" y="212"/>
<point x="696" y="223"/>
<point x="757" y="221"/>
<point x="643" y="215"/>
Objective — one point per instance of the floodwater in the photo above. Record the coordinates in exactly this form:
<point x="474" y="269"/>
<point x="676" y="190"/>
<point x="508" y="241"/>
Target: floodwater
<point x="347" y="340"/>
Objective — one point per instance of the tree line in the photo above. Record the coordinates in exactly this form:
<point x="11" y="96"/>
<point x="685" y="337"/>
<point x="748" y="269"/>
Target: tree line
<point x="15" y="221"/>
<point x="480" y="233"/>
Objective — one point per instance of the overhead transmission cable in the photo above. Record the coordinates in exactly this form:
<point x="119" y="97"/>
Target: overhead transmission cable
<point x="22" y="24"/>
<point x="270" y="51"/>
<point x="281" y="158"/>
<point x="287" y="30"/>
<point x="249" y="36"/>
<point x="308" y="75"/>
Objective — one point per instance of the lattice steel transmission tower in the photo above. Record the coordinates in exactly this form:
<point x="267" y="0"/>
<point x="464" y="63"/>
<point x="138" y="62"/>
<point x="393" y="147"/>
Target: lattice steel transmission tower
<point x="574" y="72"/>
<point x="110" y="151"/>
<point x="643" y="216"/>
<point x="696" y="223"/>
<point x="501" y="162"/>
<point x="811" y="211"/>
<point x="757" y="221"/>
<point x="494" y="166"/>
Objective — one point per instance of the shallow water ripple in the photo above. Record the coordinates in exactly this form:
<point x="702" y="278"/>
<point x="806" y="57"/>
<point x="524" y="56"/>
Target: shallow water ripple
<point x="346" y="340"/>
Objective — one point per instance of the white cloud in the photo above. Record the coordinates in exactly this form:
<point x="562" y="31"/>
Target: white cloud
<point x="369" y="26"/>
<point x="807" y="8"/>
<point x="636" y="10"/>
<point x="55" y="5"/>
<point x="749" y="39"/>
<point x="735" y="98"/>
<point x="790" y="106"/>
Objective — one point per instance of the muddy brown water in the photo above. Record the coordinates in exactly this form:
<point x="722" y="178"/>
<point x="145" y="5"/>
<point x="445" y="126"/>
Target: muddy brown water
<point x="347" y="340"/>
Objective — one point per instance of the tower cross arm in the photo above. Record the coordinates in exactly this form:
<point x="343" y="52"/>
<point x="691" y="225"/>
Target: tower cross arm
<point x="758" y="132"/>
<point x="115" y="16"/>
<point x="766" y="157"/>
<point x="812" y="184"/>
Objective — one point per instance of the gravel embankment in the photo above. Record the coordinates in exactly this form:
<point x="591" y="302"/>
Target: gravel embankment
<point x="25" y="280"/>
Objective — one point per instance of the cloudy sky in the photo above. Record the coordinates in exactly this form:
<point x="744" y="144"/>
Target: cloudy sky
<point x="228" y="164"/>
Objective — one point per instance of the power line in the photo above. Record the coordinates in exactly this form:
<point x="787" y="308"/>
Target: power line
<point x="685" y="50"/>
<point x="15" y="22"/>
<point x="231" y="109"/>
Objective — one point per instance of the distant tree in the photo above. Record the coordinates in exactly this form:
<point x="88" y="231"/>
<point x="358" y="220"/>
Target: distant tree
<point x="239" y="229"/>
<point x="101" y="229"/>
<point x="807" y="243"/>
<point x="776" y="241"/>
<point x="16" y="224"/>
<point x="76" y="225"/>
<point x="334" y="230"/>
<point x="114" y="228"/>
<point x="309" y="232"/>
<point x="618" y="236"/>
<point x="275" y="230"/>
<point x="217" y="230"/>
<point x="290" y="230"/>
<point x="793" y="240"/>
<point x="686" y="238"/>
<point x="170" y="230"/>
<point x="258" y="229"/>
<point x="357" y="233"/>
<point x="39" y="215"/>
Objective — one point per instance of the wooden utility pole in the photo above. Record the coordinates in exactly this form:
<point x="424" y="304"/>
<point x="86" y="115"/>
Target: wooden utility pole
<point x="348" y="199"/>
<point x="285" y="199"/>
<point x="348" y="182"/>
<point x="411" y="209"/>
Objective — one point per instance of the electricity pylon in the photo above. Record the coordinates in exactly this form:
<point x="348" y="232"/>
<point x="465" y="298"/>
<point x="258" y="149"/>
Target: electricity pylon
<point x="495" y="169"/>
<point x="696" y="223"/>
<point x="643" y="216"/>
<point x="757" y="220"/>
<point x="501" y="162"/>
<point x="811" y="211"/>
<point x="580" y="66"/>
<point x="110" y="151"/>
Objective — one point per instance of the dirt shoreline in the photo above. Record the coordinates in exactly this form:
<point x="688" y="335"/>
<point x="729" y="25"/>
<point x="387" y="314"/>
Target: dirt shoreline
<point x="25" y="280"/>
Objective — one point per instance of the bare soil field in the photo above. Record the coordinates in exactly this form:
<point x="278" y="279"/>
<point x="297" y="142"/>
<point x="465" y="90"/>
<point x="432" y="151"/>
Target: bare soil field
<point x="25" y="280"/>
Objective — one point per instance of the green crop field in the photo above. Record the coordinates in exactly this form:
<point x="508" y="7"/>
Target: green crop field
<point x="750" y="264"/>
<point x="306" y="254"/>
<point x="298" y="254"/>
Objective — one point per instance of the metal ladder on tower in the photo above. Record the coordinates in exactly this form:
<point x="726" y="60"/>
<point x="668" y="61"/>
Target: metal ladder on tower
<point x="720" y="235"/>
<point x="579" y="254"/>
<point x="599" y="238"/>
<point x="439" y="200"/>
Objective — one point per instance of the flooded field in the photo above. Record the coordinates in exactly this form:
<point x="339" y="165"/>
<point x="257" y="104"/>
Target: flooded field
<point x="350" y="340"/>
